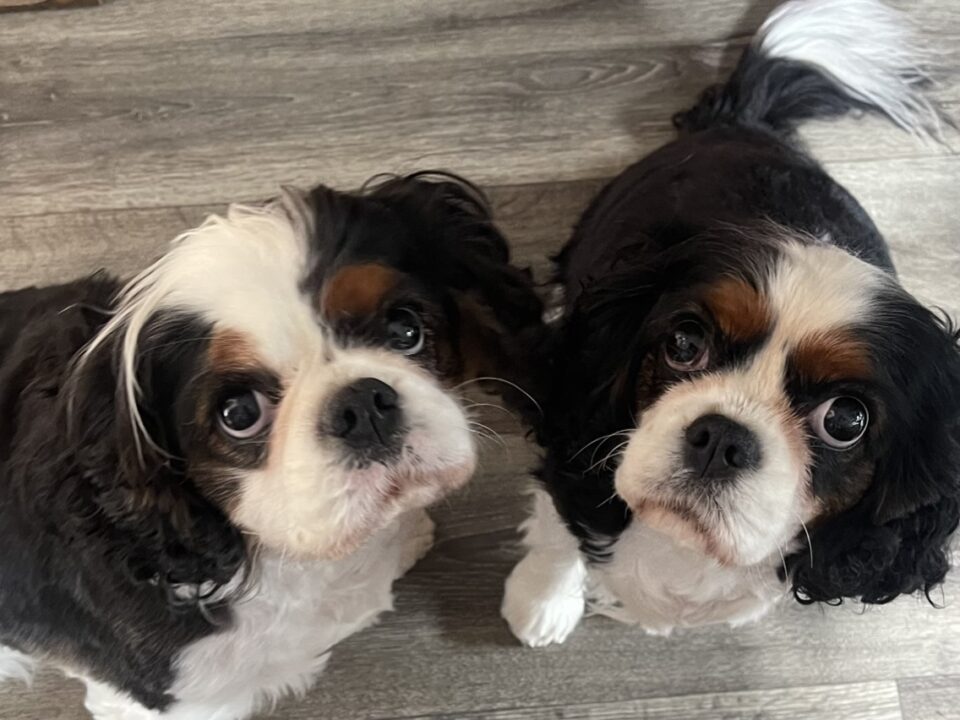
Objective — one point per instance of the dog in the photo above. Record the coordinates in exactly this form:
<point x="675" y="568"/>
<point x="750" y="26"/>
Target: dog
<point x="745" y="402"/>
<point x="213" y="474"/>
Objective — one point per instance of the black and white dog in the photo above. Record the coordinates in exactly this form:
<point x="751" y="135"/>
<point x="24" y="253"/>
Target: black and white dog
<point x="782" y="415"/>
<point x="212" y="476"/>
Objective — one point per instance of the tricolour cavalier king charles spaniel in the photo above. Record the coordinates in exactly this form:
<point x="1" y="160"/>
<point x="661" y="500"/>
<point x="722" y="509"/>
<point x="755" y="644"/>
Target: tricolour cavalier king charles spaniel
<point x="213" y="475"/>
<point x="783" y="417"/>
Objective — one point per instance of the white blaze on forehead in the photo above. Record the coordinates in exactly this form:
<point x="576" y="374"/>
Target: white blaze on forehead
<point x="241" y="272"/>
<point x="816" y="288"/>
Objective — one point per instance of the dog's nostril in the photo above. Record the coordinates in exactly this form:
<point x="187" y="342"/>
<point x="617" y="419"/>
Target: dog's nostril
<point x="385" y="400"/>
<point x="733" y="457"/>
<point x="346" y="422"/>
<point x="700" y="439"/>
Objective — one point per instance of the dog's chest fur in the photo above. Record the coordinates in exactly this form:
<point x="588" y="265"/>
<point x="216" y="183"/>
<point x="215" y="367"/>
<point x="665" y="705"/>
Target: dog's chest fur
<point x="652" y="581"/>
<point x="282" y="631"/>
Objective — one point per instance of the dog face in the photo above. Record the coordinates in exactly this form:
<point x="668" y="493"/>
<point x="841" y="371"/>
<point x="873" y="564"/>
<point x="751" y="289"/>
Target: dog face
<point x="295" y="365"/>
<point x="793" y="400"/>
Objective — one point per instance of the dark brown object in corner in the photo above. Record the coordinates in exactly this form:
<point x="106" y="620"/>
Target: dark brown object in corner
<point x="21" y="5"/>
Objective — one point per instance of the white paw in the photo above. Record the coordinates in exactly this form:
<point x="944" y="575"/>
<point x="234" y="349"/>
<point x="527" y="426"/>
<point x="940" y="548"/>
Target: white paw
<point x="105" y="703"/>
<point x="16" y="665"/>
<point x="543" y="599"/>
<point x="417" y="539"/>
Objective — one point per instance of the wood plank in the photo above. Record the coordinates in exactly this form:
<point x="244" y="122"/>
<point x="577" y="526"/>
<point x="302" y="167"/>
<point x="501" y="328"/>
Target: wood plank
<point x="499" y="26"/>
<point x="857" y="701"/>
<point x="536" y="218"/>
<point x="914" y="204"/>
<point x="925" y="698"/>
<point x="47" y="249"/>
<point x="105" y="122"/>
<point x="50" y="696"/>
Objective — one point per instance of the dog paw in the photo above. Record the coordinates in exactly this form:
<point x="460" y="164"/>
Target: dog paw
<point x="417" y="540"/>
<point x="542" y="602"/>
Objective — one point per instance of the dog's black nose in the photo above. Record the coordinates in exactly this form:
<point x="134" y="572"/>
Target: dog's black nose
<point x="367" y="417"/>
<point x="717" y="448"/>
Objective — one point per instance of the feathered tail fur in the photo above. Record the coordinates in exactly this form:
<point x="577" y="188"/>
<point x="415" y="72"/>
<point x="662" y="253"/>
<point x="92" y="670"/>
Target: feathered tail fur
<point x="821" y="58"/>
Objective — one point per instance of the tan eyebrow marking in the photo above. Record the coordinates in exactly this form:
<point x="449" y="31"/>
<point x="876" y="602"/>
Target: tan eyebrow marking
<point x="357" y="290"/>
<point x="233" y="351"/>
<point x="832" y="355"/>
<point x="739" y="310"/>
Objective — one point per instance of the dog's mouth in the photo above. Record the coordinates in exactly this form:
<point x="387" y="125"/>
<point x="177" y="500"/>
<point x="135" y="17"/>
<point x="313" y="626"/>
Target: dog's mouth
<point x="379" y="492"/>
<point x="684" y="524"/>
<point x="687" y="522"/>
<point x="328" y="512"/>
<point x="411" y="483"/>
<point x="377" y="496"/>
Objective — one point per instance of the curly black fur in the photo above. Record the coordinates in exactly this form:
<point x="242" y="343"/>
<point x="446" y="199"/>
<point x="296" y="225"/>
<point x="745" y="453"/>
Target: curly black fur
<point x="896" y="540"/>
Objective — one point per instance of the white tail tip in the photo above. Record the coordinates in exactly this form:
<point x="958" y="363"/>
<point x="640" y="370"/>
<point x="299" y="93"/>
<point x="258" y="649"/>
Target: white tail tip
<point x="864" y="46"/>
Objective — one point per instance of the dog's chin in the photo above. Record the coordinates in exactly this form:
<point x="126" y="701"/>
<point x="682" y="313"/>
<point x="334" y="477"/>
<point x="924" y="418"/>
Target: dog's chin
<point x="679" y="520"/>
<point x="376" y="496"/>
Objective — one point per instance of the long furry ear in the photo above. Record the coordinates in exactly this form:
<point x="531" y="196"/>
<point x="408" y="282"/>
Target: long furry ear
<point x="157" y="524"/>
<point x="500" y="313"/>
<point x="502" y="331"/>
<point x="481" y="264"/>
<point x="896" y="539"/>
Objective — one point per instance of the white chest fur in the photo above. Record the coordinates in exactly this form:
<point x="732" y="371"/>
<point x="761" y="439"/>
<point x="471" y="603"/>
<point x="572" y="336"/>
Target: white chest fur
<point x="654" y="582"/>
<point x="649" y="580"/>
<point x="282" y="633"/>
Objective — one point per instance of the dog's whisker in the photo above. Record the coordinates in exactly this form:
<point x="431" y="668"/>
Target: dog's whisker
<point x="598" y="440"/>
<point x="783" y="561"/>
<point x="474" y="406"/>
<point x="505" y="382"/>
<point x="609" y="455"/>
<point x="608" y="500"/>
<point x="809" y="541"/>
<point x="487" y="432"/>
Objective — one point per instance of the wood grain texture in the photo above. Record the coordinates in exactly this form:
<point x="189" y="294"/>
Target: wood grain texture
<point x="858" y="701"/>
<point x="50" y="696"/>
<point x="123" y="125"/>
<point x="930" y="698"/>
<point x="117" y="119"/>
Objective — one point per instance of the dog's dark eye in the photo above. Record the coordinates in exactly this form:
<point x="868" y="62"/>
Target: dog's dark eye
<point x="840" y="422"/>
<point x="404" y="331"/>
<point x="244" y="413"/>
<point x="686" y="347"/>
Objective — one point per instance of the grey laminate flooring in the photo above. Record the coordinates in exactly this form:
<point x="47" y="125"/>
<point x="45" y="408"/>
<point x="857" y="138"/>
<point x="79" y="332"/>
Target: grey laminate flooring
<point x="123" y="124"/>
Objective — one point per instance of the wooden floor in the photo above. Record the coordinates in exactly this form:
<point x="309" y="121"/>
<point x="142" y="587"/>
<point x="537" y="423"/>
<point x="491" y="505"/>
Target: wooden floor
<point x="121" y="125"/>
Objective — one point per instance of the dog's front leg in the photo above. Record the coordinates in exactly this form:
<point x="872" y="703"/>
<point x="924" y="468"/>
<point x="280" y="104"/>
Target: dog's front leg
<point x="545" y="594"/>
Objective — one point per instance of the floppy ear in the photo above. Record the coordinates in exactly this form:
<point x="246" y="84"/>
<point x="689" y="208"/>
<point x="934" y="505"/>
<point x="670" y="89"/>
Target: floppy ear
<point x="896" y="539"/>
<point x="500" y="315"/>
<point x="604" y="328"/>
<point x="156" y="523"/>
<point x="500" y="330"/>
